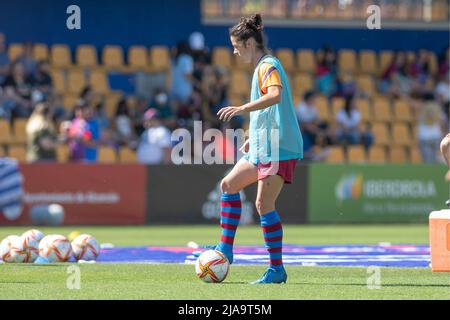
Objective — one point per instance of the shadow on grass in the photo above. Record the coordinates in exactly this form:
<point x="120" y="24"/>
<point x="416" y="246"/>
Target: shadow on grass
<point x="362" y="285"/>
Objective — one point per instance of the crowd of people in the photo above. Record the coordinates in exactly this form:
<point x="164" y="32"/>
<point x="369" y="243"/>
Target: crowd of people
<point x="197" y="91"/>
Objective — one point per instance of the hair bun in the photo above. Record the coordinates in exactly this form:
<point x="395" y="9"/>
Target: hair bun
<point x="254" y="22"/>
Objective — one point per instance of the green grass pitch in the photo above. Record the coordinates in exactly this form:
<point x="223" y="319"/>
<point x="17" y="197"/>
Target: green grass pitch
<point x="176" y="281"/>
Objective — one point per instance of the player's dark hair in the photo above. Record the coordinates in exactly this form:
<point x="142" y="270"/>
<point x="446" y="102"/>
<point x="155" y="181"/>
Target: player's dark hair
<point x="250" y="27"/>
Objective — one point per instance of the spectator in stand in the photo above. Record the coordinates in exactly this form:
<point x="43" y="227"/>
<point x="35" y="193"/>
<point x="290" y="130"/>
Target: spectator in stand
<point x="4" y="60"/>
<point x="443" y="94"/>
<point x="182" y="69"/>
<point x="348" y="120"/>
<point x="41" y="135"/>
<point x="137" y="115"/>
<point x="27" y="60"/>
<point x="8" y="101"/>
<point x="21" y="90"/>
<point x="419" y="71"/>
<point x="430" y="128"/>
<point x="155" y="145"/>
<point x="42" y="80"/>
<point x="444" y="63"/>
<point x="161" y="103"/>
<point x="326" y="71"/>
<point x="123" y="125"/>
<point x="79" y="134"/>
<point x="398" y="61"/>
<point x="313" y="128"/>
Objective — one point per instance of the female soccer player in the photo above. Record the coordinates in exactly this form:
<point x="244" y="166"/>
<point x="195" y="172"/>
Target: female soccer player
<point x="274" y="146"/>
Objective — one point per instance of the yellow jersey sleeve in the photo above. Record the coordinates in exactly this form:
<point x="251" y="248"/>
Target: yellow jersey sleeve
<point x="268" y="76"/>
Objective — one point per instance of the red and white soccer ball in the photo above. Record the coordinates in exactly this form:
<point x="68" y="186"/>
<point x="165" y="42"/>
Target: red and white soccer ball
<point x="33" y="234"/>
<point x="212" y="266"/>
<point x="55" y="248"/>
<point x="5" y="248"/>
<point x="85" y="247"/>
<point x="24" y="250"/>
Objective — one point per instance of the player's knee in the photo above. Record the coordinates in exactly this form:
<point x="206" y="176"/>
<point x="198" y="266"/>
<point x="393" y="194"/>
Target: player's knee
<point x="263" y="206"/>
<point x="225" y="187"/>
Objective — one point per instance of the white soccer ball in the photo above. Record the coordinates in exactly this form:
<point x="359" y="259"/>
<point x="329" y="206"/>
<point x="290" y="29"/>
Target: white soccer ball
<point x="212" y="266"/>
<point x="85" y="247"/>
<point x="55" y="248"/>
<point x="34" y="234"/>
<point x="24" y="250"/>
<point x="5" y="248"/>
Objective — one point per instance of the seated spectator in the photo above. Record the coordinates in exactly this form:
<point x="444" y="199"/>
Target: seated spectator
<point x="347" y="122"/>
<point x="79" y="134"/>
<point x="42" y="80"/>
<point x="8" y="102"/>
<point x="443" y="93"/>
<point x="21" y="86"/>
<point x="419" y="71"/>
<point x="182" y="69"/>
<point x="27" y="60"/>
<point x="431" y="122"/>
<point x="123" y="124"/>
<point x="161" y="103"/>
<point x="346" y="85"/>
<point x="137" y="115"/>
<point x="41" y="135"/>
<point x="313" y="128"/>
<point x="444" y="63"/>
<point x="4" y="60"/>
<point x="398" y="62"/>
<point x="326" y="71"/>
<point x="155" y="145"/>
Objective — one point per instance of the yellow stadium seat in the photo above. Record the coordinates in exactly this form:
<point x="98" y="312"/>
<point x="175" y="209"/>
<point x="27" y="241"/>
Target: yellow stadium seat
<point x="40" y="51"/>
<point x="86" y="56"/>
<point x="60" y="56"/>
<point x="337" y="103"/>
<point x="381" y="109"/>
<point x="356" y="154"/>
<point x="138" y="57"/>
<point x="336" y="155"/>
<point x="99" y="81"/>
<point x="70" y="101"/>
<point x="322" y="108"/>
<point x="107" y="155"/>
<point x="76" y="81"/>
<point x="5" y="132"/>
<point x="19" y="131"/>
<point x="401" y="135"/>
<point x="222" y="56"/>
<point x="17" y="152"/>
<point x="381" y="134"/>
<point x="364" y="108"/>
<point x="368" y="62"/>
<point x="62" y="153"/>
<point x="159" y="58"/>
<point x="303" y="82"/>
<point x="377" y="154"/>
<point x="287" y="59"/>
<point x="59" y="81"/>
<point x="112" y="57"/>
<point x="398" y="155"/>
<point x="15" y="50"/>
<point x="366" y="84"/>
<point x="306" y="61"/>
<point x="240" y="83"/>
<point x="402" y="111"/>
<point x="127" y="155"/>
<point x="347" y="60"/>
<point x="416" y="156"/>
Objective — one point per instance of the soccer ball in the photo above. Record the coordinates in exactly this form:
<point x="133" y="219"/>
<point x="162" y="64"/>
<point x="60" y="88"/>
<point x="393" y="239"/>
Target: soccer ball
<point x="24" y="249"/>
<point x="85" y="247"/>
<point x="55" y="248"/>
<point x="212" y="266"/>
<point x="33" y="234"/>
<point x="5" y="248"/>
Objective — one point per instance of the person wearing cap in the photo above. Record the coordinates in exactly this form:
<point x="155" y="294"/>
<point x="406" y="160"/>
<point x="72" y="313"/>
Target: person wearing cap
<point x="155" y="144"/>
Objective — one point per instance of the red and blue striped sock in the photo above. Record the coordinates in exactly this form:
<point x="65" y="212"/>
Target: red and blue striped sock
<point x="230" y="214"/>
<point x="273" y="237"/>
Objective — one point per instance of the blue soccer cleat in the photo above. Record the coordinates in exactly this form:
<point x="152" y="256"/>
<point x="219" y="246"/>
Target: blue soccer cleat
<point x="272" y="275"/>
<point x="227" y="253"/>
